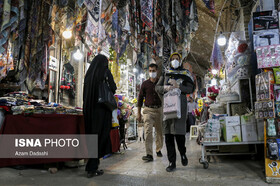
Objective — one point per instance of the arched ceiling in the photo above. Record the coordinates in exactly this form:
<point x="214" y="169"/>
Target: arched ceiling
<point x="202" y="41"/>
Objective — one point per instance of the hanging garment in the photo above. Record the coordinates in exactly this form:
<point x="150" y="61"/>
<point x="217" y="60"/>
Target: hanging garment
<point x="216" y="57"/>
<point x="68" y="79"/>
<point x="147" y="12"/>
<point x="210" y="5"/>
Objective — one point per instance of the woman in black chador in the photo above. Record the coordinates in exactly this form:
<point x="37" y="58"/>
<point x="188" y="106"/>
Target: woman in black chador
<point x="98" y="119"/>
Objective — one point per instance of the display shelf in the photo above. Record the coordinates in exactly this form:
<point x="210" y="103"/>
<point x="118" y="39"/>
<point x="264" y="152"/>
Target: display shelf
<point x="232" y="143"/>
<point x="272" y="173"/>
<point x="207" y="154"/>
<point x="236" y="86"/>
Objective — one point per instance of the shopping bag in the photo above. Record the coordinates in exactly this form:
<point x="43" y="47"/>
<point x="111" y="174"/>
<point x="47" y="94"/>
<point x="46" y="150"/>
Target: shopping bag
<point x="115" y="121"/>
<point x="172" y="104"/>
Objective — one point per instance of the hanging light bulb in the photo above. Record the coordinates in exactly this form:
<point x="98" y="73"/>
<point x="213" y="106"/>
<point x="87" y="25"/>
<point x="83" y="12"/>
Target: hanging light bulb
<point x="78" y="55"/>
<point x="142" y="76"/>
<point x="134" y="70"/>
<point x="214" y="71"/>
<point x="222" y="40"/>
<point x="67" y="34"/>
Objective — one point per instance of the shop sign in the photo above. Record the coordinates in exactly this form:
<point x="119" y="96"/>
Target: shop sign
<point x="53" y="63"/>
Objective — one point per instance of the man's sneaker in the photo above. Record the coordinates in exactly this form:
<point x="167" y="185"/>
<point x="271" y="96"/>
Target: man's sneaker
<point x="184" y="160"/>
<point x="159" y="154"/>
<point x="171" y="167"/>
<point x="148" y="158"/>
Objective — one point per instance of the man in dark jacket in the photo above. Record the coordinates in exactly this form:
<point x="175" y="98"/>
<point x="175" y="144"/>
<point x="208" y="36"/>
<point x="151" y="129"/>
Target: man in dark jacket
<point x="152" y="113"/>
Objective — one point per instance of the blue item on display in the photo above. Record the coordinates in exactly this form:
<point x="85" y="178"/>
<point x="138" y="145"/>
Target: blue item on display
<point x="278" y="142"/>
<point x="273" y="150"/>
<point x="52" y="104"/>
<point x="271" y="129"/>
<point x="218" y="116"/>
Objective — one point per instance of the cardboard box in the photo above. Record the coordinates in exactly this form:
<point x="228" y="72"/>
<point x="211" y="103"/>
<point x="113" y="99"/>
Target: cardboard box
<point x="213" y="125"/>
<point x="232" y="133"/>
<point x="260" y="129"/>
<point x="230" y="121"/>
<point x="249" y="132"/>
<point x="248" y="119"/>
<point x="211" y="137"/>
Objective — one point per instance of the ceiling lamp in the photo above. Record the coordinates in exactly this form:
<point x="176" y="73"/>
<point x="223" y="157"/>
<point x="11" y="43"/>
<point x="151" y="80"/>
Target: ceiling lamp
<point x="222" y="40"/>
<point x="67" y="34"/>
<point x="78" y="55"/>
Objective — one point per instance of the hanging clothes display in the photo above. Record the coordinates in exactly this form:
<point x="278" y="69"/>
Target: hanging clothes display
<point x="68" y="80"/>
<point x="37" y="43"/>
<point x="147" y="12"/>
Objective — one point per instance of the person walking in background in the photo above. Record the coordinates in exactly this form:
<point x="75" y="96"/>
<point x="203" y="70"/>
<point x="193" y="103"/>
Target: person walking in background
<point x="176" y="77"/>
<point x="98" y="118"/>
<point x="152" y="113"/>
<point x="192" y="105"/>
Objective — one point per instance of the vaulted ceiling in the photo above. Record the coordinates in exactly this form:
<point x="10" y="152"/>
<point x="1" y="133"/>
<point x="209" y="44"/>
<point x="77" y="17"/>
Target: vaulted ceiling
<point x="202" y="42"/>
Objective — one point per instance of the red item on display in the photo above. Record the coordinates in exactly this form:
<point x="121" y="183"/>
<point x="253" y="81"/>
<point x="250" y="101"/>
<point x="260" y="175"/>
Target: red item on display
<point x="242" y="48"/>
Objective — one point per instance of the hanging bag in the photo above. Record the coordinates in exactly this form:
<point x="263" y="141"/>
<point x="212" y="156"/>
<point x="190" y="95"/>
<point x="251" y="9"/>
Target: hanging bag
<point x="105" y="95"/>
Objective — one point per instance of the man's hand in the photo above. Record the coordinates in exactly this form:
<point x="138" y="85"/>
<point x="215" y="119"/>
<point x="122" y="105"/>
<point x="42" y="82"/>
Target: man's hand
<point x="139" y="117"/>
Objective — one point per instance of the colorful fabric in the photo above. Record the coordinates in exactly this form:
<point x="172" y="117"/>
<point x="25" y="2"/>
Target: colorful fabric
<point x="216" y="57"/>
<point x="185" y="5"/>
<point x="210" y="5"/>
<point x="147" y="12"/>
<point x="93" y="18"/>
<point x="36" y="46"/>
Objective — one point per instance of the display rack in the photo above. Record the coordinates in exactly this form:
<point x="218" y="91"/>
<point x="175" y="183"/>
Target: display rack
<point x="213" y="152"/>
<point x="131" y="94"/>
<point x="237" y="87"/>
<point x="272" y="172"/>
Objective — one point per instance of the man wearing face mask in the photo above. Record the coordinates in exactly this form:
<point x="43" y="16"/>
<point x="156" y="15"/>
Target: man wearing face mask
<point x="152" y="113"/>
<point x="176" y="77"/>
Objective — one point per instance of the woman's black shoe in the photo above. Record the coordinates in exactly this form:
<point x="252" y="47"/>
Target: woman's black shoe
<point x="159" y="154"/>
<point x="184" y="160"/>
<point x="91" y="174"/>
<point x="171" y="167"/>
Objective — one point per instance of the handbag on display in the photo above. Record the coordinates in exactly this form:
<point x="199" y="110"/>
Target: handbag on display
<point x="172" y="104"/>
<point x="106" y="96"/>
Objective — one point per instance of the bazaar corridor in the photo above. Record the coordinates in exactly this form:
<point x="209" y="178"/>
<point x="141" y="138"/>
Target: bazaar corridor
<point x="129" y="169"/>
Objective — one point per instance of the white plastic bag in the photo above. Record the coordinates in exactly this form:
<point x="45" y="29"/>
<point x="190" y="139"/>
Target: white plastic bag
<point x="115" y="121"/>
<point x="172" y="105"/>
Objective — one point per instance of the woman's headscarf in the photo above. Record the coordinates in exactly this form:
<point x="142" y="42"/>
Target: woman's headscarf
<point x="94" y="75"/>
<point x="180" y="72"/>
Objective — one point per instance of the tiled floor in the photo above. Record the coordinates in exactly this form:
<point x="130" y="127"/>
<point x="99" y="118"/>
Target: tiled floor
<point x="128" y="169"/>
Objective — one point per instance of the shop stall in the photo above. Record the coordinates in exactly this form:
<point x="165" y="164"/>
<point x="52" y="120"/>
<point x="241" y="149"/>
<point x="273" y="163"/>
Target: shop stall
<point x="232" y="128"/>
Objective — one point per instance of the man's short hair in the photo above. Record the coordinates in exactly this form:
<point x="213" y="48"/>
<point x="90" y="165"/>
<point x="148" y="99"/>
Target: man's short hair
<point x="153" y="65"/>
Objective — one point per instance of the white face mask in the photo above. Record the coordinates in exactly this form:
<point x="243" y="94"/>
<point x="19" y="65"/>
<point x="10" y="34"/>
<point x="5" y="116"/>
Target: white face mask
<point x="175" y="63"/>
<point x="153" y="74"/>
